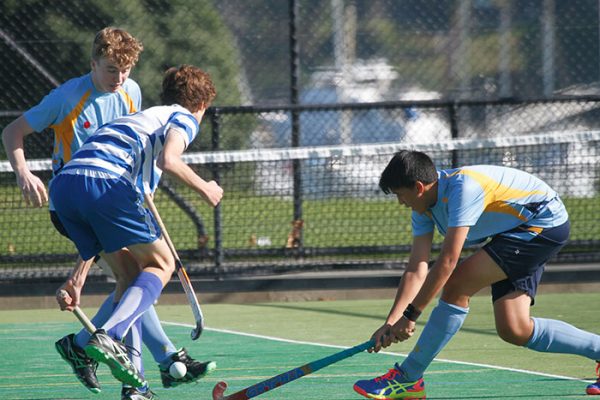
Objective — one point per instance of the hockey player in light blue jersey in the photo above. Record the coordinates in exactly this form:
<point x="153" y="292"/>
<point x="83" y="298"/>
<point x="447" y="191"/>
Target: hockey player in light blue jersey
<point x="519" y="221"/>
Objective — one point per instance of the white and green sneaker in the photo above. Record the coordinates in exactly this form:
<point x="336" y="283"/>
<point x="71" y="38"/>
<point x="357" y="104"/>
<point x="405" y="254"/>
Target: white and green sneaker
<point x="113" y="353"/>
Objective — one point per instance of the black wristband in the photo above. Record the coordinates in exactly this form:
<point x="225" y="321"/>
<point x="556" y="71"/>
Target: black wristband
<point x="411" y="313"/>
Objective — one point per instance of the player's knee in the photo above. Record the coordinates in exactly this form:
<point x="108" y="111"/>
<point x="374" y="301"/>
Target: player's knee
<point x="454" y="294"/>
<point x="513" y="335"/>
<point x="125" y="279"/>
<point x="169" y="268"/>
<point x="166" y="264"/>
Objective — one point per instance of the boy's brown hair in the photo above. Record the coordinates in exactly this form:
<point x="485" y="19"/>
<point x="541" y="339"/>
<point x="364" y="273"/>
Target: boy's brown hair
<point x="118" y="46"/>
<point x="188" y="86"/>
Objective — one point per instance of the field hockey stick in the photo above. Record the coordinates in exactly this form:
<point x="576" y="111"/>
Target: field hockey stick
<point x="181" y="273"/>
<point x="85" y="321"/>
<point x="286" y="377"/>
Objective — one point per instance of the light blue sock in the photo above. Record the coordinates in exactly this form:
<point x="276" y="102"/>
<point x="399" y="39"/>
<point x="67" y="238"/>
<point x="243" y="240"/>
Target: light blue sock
<point x="133" y="339"/>
<point x="445" y="320"/>
<point x="136" y="300"/>
<point x="552" y="336"/>
<point x="155" y="337"/>
<point x="99" y="319"/>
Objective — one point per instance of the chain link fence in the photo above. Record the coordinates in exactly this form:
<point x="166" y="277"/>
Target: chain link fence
<point x="303" y="73"/>
<point x="275" y="53"/>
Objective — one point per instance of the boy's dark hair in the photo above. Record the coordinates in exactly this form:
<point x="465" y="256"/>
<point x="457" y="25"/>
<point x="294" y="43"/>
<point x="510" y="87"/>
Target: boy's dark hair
<point x="405" y="169"/>
<point x="188" y="86"/>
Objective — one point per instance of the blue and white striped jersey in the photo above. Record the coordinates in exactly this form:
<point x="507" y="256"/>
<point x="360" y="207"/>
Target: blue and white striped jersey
<point x="129" y="146"/>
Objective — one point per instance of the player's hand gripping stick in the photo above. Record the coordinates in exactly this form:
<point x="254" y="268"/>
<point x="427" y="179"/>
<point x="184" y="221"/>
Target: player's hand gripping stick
<point x="85" y="321"/>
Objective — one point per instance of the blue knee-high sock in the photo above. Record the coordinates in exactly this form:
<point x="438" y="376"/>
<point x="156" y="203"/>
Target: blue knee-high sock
<point x="133" y="339"/>
<point x="445" y="320"/>
<point x="155" y="337"/>
<point x="552" y="336"/>
<point x="144" y="291"/>
<point x="99" y="319"/>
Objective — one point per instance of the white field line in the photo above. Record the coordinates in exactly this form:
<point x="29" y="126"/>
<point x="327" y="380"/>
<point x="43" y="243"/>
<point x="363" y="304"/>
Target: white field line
<point x="381" y="352"/>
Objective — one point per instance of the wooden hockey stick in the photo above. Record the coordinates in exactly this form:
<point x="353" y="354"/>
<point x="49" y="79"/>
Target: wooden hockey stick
<point x="85" y="321"/>
<point x="181" y="272"/>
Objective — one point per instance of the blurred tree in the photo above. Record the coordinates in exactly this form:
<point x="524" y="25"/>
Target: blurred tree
<point x="173" y="32"/>
<point x="44" y="44"/>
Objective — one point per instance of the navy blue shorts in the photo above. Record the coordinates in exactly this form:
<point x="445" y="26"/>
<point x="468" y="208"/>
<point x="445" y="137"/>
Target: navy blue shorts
<point x="523" y="261"/>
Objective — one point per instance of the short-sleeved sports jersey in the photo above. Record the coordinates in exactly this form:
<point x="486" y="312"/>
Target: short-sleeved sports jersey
<point x="75" y="110"/>
<point x="491" y="200"/>
<point x="128" y="146"/>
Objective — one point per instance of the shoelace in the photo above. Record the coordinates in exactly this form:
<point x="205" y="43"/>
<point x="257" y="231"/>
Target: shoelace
<point x="391" y="374"/>
<point x="184" y="358"/>
<point x="132" y="350"/>
<point x="128" y="350"/>
<point x="121" y="349"/>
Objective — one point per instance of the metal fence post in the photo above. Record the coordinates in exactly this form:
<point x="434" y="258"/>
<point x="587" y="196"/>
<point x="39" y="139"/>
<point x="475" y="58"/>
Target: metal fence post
<point x="297" y="167"/>
<point x="453" y="130"/>
<point x="215" y="144"/>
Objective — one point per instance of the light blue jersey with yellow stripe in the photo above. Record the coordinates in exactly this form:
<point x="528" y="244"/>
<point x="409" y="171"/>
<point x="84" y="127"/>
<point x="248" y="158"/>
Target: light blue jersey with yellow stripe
<point x="75" y="110"/>
<point x="491" y="200"/>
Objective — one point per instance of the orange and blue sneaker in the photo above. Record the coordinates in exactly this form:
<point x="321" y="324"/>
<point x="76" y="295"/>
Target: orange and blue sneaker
<point x="392" y="385"/>
<point x="594" y="388"/>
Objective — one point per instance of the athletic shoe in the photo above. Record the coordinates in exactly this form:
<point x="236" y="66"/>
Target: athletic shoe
<point x="594" y="388"/>
<point x="84" y="367"/>
<point x="195" y="369"/>
<point x="113" y="353"/>
<point x="131" y="393"/>
<point x="392" y="385"/>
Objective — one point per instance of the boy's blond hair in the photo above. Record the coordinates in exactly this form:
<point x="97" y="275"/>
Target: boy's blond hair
<point x="117" y="46"/>
<point x="188" y="86"/>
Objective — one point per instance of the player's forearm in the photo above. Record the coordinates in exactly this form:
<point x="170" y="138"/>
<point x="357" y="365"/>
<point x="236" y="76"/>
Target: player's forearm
<point x="13" y="145"/>
<point x="80" y="272"/>
<point x="409" y="286"/>
<point x="211" y="192"/>
<point x="435" y="281"/>
<point x="442" y="268"/>
<point x="185" y="174"/>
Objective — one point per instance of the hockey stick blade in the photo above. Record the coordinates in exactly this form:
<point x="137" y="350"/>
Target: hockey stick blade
<point x="219" y="390"/>
<point x="192" y="299"/>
